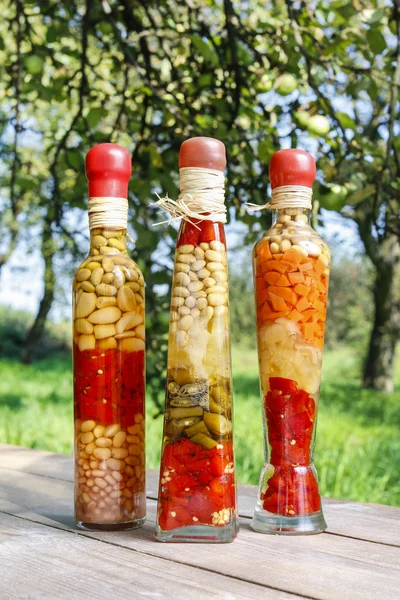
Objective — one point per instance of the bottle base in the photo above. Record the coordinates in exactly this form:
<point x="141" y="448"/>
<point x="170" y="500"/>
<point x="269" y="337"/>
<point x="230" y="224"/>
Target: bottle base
<point x="122" y="526"/>
<point x="266" y="522"/>
<point x="200" y="534"/>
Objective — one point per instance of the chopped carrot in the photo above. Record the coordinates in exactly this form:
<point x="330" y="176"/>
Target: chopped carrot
<point x="259" y="284"/>
<point x="290" y="267"/>
<point x="264" y="312"/>
<point x="263" y="251"/>
<point x="262" y="296"/>
<point x="277" y="302"/>
<point x="278" y="315"/>
<point x="308" y="330"/>
<point x="313" y="296"/>
<point x="302" y="304"/>
<point x="283" y="281"/>
<point x="274" y="265"/>
<point x="320" y="306"/>
<point x="271" y="277"/>
<point x="319" y="265"/>
<point x="295" y="278"/>
<point x="301" y="289"/>
<point x="293" y="256"/>
<point x="305" y="267"/>
<point x="310" y="315"/>
<point x="313" y="274"/>
<point x="285" y="293"/>
<point x="295" y="315"/>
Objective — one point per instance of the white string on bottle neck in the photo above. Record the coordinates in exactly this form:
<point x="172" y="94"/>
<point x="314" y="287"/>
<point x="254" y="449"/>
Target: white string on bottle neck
<point x="286" y="196"/>
<point x="108" y="212"/>
<point x="202" y="196"/>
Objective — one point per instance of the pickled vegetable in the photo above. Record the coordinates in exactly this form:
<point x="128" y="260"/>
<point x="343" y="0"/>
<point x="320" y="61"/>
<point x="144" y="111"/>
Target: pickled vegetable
<point x="291" y="273"/>
<point x="197" y="484"/>
<point x="109" y="385"/>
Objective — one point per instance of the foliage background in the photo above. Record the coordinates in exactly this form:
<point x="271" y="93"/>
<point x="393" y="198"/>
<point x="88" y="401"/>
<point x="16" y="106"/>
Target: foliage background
<point x="321" y="75"/>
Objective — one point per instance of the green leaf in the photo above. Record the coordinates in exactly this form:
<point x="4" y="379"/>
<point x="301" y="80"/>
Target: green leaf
<point x="51" y="34"/>
<point x="345" y="121"/>
<point x="93" y="117"/>
<point x="74" y="159"/>
<point x="376" y="41"/>
<point x="205" y="49"/>
<point x="376" y="16"/>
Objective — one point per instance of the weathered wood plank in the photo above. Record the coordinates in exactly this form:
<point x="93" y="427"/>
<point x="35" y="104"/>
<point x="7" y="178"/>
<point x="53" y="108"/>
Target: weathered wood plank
<point x="37" y="561"/>
<point x="325" y="567"/>
<point x="373" y="522"/>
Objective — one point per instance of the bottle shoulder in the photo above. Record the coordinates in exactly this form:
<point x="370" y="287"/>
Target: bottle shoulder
<point x="112" y="269"/>
<point x="282" y="236"/>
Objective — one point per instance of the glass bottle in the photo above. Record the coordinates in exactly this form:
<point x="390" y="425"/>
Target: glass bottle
<point x="197" y="493"/>
<point x="109" y="357"/>
<point x="291" y="273"/>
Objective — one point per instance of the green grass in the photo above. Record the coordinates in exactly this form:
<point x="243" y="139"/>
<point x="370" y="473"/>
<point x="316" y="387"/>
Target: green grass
<point x="358" y="442"/>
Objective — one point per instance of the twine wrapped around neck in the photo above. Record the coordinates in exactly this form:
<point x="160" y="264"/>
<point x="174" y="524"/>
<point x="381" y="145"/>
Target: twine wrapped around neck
<point x="108" y="212"/>
<point x="286" y="196"/>
<point x="202" y="197"/>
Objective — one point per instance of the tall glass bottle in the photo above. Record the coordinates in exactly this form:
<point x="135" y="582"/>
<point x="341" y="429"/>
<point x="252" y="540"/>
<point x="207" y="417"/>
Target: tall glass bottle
<point x="109" y="357"/>
<point x="197" y="494"/>
<point x="291" y="273"/>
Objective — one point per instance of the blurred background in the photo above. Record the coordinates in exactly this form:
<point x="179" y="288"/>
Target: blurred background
<point x="322" y="75"/>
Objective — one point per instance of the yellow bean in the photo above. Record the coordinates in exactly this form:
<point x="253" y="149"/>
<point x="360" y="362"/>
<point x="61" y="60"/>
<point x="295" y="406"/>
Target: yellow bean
<point x="100" y="482"/>
<point x="103" y="442"/>
<point x="126" y="299"/>
<point x="128" y="321"/>
<point x="104" y="289"/>
<point x="105" y="302"/>
<point x="107" y="264"/>
<point x="85" y="305"/>
<point x="112" y="430"/>
<point x="83" y="274"/>
<point x="119" y="452"/>
<point x="83" y="326"/>
<point x="86" y="286"/>
<point x="97" y="275"/>
<point x="88" y="425"/>
<point x="117" y="475"/>
<point x="107" y="343"/>
<point x="131" y="345"/>
<point x="102" y="453"/>
<point x="133" y="429"/>
<point x="115" y="464"/>
<point x="104" y="331"/>
<point x="102" y="316"/>
<point x="118" y="439"/>
<point x="87" y="437"/>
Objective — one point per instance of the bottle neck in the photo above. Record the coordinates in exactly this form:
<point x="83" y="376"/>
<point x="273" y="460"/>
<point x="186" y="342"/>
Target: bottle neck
<point x="288" y="215"/>
<point x="107" y="240"/>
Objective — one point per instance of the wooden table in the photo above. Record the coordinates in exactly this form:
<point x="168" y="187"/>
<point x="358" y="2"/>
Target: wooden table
<point x="42" y="554"/>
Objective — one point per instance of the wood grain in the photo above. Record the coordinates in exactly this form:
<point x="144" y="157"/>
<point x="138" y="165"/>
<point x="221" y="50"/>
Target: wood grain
<point x="372" y="522"/>
<point x="325" y="567"/>
<point x="37" y="561"/>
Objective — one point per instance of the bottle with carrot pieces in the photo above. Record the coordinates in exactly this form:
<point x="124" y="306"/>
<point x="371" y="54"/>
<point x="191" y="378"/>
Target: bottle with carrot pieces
<point x="197" y="493"/>
<point x="291" y="273"/>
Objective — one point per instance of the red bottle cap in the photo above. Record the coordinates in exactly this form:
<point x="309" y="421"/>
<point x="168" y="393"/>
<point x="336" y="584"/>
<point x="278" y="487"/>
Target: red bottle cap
<point x="108" y="169"/>
<point x="204" y="152"/>
<point x="292" y="167"/>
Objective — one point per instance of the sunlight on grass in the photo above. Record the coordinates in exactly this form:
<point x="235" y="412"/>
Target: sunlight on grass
<point x="358" y="445"/>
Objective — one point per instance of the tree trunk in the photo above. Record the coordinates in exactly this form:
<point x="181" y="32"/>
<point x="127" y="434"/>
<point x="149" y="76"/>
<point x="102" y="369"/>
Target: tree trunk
<point x="35" y="333"/>
<point x="378" y="370"/>
<point x="379" y="364"/>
